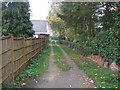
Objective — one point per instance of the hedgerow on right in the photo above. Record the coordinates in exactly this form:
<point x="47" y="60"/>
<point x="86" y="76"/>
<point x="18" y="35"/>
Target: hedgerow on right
<point x="103" y="78"/>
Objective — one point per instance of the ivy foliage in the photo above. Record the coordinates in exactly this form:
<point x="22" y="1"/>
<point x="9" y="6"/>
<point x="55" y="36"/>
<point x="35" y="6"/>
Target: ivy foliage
<point x="106" y="45"/>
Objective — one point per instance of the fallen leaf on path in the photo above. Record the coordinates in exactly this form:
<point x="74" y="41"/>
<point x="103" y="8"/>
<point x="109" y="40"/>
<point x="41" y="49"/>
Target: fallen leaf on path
<point x="36" y="81"/>
<point x="87" y="86"/>
<point x="23" y="84"/>
<point x="103" y="82"/>
<point x="95" y="74"/>
<point x="87" y="78"/>
<point x="113" y="74"/>
<point x="103" y="87"/>
<point x="91" y="81"/>
<point x="87" y="83"/>
<point x="82" y="78"/>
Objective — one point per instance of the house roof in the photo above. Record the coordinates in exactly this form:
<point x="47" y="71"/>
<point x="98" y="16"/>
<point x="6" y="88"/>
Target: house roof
<point x="39" y="26"/>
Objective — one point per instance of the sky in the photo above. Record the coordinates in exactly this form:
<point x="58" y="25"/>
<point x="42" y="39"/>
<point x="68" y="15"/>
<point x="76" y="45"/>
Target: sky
<point x="39" y="8"/>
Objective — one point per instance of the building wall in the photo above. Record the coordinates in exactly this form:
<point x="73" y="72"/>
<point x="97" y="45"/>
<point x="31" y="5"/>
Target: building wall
<point x="40" y="26"/>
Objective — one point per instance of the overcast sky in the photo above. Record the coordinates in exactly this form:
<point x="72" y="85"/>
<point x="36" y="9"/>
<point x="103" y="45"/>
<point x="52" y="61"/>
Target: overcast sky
<point x="39" y="8"/>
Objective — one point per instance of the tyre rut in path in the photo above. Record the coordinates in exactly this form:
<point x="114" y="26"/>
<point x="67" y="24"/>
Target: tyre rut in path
<point x="77" y="78"/>
<point x="54" y="78"/>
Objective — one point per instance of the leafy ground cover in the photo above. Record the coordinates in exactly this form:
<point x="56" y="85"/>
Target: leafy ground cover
<point x="36" y="67"/>
<point x="102" y="77"/>
<point x="59" y="59"/>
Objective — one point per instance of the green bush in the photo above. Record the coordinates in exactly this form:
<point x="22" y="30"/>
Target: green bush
<point x="106" y="45"/>
<point x="101" y="77"/>
<point x="80" y="48"/>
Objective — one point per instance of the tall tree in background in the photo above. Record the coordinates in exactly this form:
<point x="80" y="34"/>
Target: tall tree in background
<point x="56" y="23"/>
<point x="95" y="26"/>
<point x="79" y="18"/>
<point x="16" y="19"/>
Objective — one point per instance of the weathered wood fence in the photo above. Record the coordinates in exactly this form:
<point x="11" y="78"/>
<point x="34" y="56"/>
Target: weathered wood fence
<point x="16" y="53"/>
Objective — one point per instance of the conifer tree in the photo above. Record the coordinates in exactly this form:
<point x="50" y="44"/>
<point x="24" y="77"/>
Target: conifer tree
<point x="16" y="19"/>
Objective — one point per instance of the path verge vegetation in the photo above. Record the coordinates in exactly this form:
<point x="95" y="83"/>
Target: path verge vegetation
<point x="102" y="77"/>
<point x="36" y="68"/>
<point x="60" y="60"/>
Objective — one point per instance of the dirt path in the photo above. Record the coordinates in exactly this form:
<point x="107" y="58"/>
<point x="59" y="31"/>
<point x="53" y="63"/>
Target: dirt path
<point x="76" y="77"/>
<point x="54" y="78"/>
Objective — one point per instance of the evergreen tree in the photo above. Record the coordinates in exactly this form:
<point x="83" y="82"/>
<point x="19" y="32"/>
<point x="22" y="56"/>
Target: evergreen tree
<point x="16" y="19"/>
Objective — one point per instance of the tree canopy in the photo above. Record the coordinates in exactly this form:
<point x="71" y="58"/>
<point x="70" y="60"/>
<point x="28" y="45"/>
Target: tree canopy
<point x="93" y="25"/>
<point x="16" y="19"/>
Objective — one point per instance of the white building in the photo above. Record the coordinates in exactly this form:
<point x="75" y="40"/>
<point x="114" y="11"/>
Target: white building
<point x="40" y="27"/>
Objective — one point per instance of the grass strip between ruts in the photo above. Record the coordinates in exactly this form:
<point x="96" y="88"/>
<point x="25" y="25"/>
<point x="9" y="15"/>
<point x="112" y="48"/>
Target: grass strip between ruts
<point x="59" y="59"/>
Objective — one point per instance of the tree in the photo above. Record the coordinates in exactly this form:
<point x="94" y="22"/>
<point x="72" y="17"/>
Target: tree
<point x="81" y="24"/>
<point x="16" y="19"/>
<point x="80" y="18"/>
<point x="55" y="22"/>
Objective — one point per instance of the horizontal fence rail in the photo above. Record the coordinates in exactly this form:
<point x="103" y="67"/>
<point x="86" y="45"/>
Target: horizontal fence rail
<point x="16" y="53"/>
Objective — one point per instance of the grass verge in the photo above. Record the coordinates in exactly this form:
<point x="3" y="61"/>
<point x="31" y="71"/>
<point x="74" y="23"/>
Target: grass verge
<point x="36" y="67"/>
<point x="102" y="77"/>
<point x="59" y="59"/>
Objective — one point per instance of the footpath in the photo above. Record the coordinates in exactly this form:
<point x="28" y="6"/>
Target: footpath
<point x="54" y="78"/>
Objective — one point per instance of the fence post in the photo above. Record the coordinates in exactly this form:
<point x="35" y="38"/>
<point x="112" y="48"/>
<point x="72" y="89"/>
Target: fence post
<point x="31" y="48"/>
<point x="44" y="42"/>
<point x="24" y="48"/>
<point x="35" y="46"/>
<point x="39" y="44"/>
<point x="12" y="54"/>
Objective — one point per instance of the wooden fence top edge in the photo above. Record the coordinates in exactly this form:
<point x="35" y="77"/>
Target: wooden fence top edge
<point x="6" y="37"/>
<point x="18" y="38"/>
<point x="27" y="38"/>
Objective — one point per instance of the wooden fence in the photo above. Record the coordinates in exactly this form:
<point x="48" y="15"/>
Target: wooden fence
<point x="16" y="53"/>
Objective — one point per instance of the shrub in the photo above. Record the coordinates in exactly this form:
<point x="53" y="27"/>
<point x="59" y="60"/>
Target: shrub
<point x="106" y="45"/>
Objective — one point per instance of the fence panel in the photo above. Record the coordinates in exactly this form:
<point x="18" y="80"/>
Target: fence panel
<point x="16" y="53"/>
<point x="6" y="67"/>
<point x="28" y="49"/>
